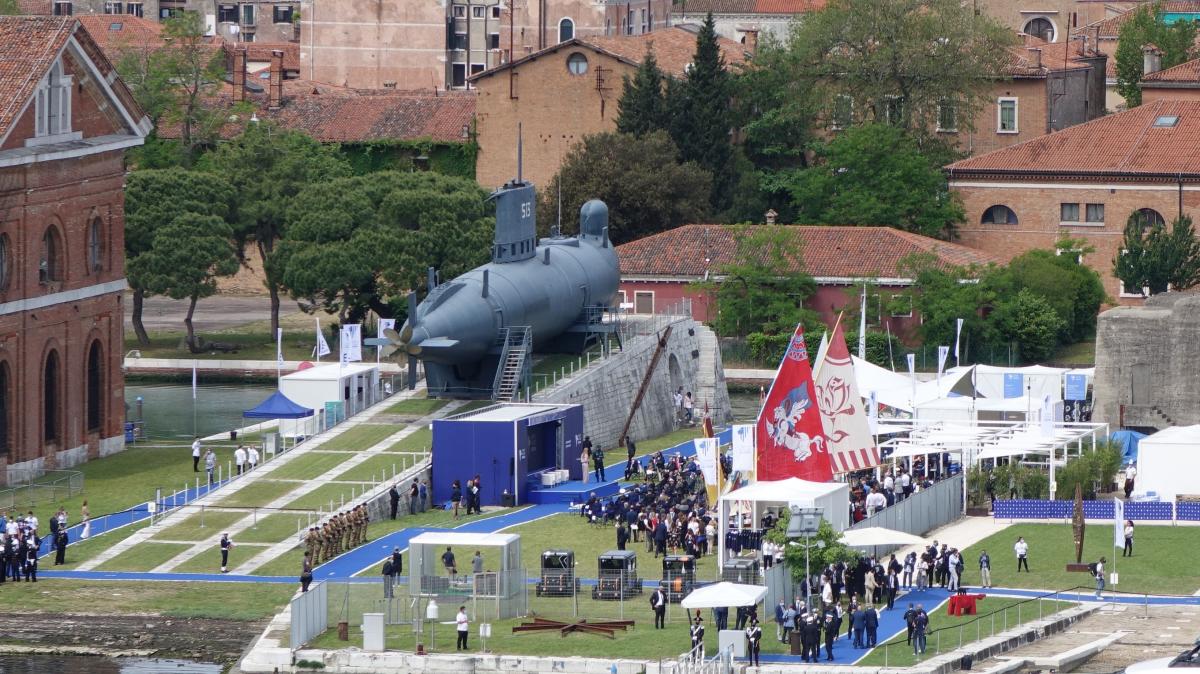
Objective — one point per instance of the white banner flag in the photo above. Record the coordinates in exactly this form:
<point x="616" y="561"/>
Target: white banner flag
<point x="957" y="335"/>
<point x="706" y="456"/>
<point x="1118" y="523"/>
<point x="193" y="381"/>
<point x="385" y="324"/>
<point x="351" y="343"/>
<point x="279" y="346"/>
<point x="743" y="447"/>
<point x="943" y="352"/>
<point x="1047" y="417"/>
<point x="845" y="421"/>
<point x="912" y="366"/>
<point x="873" y="414"/>
<point x="322" y="345"/>
<point x="862" y="326"/>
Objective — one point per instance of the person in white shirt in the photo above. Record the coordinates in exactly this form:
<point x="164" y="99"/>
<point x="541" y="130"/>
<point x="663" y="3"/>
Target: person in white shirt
<point x="1100" y="578"/>
<point x="875" y="502"/>
<point x="239" y="457"/>
<point x="464" y="628"/>
<point x="905" y="482"/>
<point x="196" y="455"/>
<point x="889" y="483"/>
<point x="952" y="567"/>
<point x="1128" y="539"/>
<point x="252" y="456"/>
<point x="1130" y="473"/>
<point x="1022" y="550"/>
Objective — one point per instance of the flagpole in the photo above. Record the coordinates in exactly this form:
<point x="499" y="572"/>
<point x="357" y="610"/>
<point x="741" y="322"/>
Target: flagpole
<point x="195" y="433"/>
<point x="317" y="348"/>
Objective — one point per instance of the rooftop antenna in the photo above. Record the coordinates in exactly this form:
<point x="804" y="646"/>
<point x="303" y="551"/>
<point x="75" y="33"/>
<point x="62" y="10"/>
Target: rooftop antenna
<point x="558" y="225"/>
<point x="519" y="150"/>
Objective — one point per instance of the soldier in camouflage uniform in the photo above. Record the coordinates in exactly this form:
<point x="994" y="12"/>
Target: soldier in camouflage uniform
<point x="310" y="544"/>
<point x="366" y="520"/>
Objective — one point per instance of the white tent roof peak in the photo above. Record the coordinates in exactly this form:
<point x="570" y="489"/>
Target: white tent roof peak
<point x="723" y="594"/>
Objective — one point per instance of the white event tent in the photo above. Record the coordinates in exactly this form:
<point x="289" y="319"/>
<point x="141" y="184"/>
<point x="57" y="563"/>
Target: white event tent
<point x="832" y="497"/>
<point x="723" y="594"/>
<point x="1168" y="462"/>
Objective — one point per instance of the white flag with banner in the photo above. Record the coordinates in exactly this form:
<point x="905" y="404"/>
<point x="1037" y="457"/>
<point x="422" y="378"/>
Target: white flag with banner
<point x="957" y="336"/>
<point x="873" y="414"/>
<point x="322" y="345"/>
<point x="1047" y="416"/>
<point x="845" y="421"/>
<point x="743" y="447"/>
<point x="706" y="456"/>
<point x="279" y="346"/>
<point x="943" y="352"/>
<point x="351" y="343"/>
<point x="862" y="326"/>
<point x="193" y="381"/>
<point x="912" y="366"/>
<point x="385" y="324"/>
<point x="1118" y="523"/>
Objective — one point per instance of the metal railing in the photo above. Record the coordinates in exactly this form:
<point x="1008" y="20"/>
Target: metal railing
<point x="39" y="486"/>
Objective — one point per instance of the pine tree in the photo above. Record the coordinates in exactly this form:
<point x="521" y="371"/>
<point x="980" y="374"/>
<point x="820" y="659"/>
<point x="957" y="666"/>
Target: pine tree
<point x="700" y="118"/>
<point x="642" y="108"/>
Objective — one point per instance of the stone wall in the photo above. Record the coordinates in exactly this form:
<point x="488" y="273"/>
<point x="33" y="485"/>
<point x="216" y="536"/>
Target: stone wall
<point x="1146" y="362"/>
<point x="607" y="389"/>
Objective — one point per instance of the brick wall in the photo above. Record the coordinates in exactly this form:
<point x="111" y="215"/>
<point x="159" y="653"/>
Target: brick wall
<point x="555" y="107"/>
<point x="1151" y="94"/>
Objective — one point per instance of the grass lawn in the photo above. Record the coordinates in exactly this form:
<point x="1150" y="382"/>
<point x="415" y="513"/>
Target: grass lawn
<point x="82" y="550"/>
<point x="309" y="466"/>
<point x="257" y="494"/>
<point x="1080" y="354"/>
<point x="143" y="557"/>
<point x="252" y="344"/>
<point x="209" y="561"/>
<point x="900" y="654"/>
<point x="274" y="528"/>
<point x="362" y="436"/>
<point x="190" y="529"/>
<point x="378" y="469"/>
<point x="419" y="441"/>
<point x="287" y="564"/>
<point x="1163" y="561"/>
<point x="323" y="495"/>
<point x="241" y="601"/>
<point x="417" y="407"/>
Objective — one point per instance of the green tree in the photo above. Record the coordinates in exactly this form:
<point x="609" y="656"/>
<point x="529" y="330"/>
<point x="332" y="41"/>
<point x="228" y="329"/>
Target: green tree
<point x="899" y="61"/>
<point x="184" y="261"/>
<point x="1031" y="324"/>
<point x="154" y="199"/>
<point x="9" y="8"/>
<point x="874" y="175"/>
<point x="1074" y="290"/>
<point x="819" y="556"/>
<point x="1157" y="259"/>
<point x="642" y="181"/>
<point x="642" y="108"/>
<point x="942" y="295"/>
<point x="763" y="289"/>
<point x="268" y="167"/>
<point x="1147" y="25"/>
<point x="700" y="121"/>
<point x="359" y="244"/>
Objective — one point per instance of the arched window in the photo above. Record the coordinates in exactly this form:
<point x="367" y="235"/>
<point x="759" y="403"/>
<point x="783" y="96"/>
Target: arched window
<point x="577" y="64"/>
<point x="1151" y="217"/>
<point x="5" y="403"/>
<point x="95" y="244"/>
<point x="51" y="400"/>
<point x="566" y="30"/>
<point x="1040" y="27"/>
<point x="999" y="215"/>
<point x="95" y="387"/>
<point x="5" y="263"/>
<point x="50" y="264"/>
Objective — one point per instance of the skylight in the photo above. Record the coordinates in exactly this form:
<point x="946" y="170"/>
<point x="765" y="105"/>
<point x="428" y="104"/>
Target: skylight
<point x="1166" y="121"/>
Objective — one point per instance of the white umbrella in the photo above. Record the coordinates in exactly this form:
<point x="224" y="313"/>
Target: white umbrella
<point x="874" y="536"/>
<point x="722" y="594"/>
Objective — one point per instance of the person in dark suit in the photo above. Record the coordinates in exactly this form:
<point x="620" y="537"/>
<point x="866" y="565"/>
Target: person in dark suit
<point x="622" y="535"/>
<point x="812" y="638"/>
<point x="721" y="617"/>
<point x="660" y="539"/>
<point x="397" y="561"/>
<point x="658" y="602"/>
<point x="60" y="546"/>
<point x="833" y="624"/>
<point x="909" y="623"/>
<point x="872" y="625"/>
<point x="697" y="634"/>
<point x="394" y="498"/>
<point x="893" y="585"/>
<point x="858" y="622"/>
<point x="754" y="642"/>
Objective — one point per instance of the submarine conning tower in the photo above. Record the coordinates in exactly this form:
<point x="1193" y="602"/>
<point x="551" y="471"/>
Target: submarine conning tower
<point x="516" y="222"/>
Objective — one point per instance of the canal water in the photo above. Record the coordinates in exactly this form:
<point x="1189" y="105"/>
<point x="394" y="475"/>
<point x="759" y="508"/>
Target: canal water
<point x="42" y="664"/>
<point x="167" y="409"/>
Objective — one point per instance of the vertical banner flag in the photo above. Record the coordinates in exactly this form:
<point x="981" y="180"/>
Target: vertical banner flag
<point x="791" y="440"/>
<point x="279" y="346"/>
<point x="912" y="377"/>
<point x="842" y="411"/>
<point x="351" y="343"/>
<point x="706" y="456"/>
<point x="193" y="381"/>
<point x="957" y="336"/>
<point x="743" y="447"/>
<point x="1118" y="523"/>
<point x="1076" y="386"/>
<point x="1014" y="384"/>
<point x="943" y="352"/>
<point x="873" y="414"/>
<point x="1047" y="417"/>
<point x="322" y="345"/>
<point x="862" y="326"/>
<point x="385" y="324"/>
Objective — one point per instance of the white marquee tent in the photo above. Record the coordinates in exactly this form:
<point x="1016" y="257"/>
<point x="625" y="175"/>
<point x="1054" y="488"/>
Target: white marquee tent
<point x="832" y="497"/>
<point x="1168" y="462"/>
<point x="724" y="594"/>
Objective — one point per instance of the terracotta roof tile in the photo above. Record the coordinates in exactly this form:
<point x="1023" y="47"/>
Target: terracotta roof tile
<point x="1110" y="28"/>
<point x="28" y="47"/>
<point x="119" y="31"/>
<point x="748" y="6"/>
<point x="35" y="7"/>
<point x="1187" y="72"/>
<point x="826" y="251"/>
<point x="1123" y="143"/>
<point x="1055" y="57"/>
<point x="261" y="51"/>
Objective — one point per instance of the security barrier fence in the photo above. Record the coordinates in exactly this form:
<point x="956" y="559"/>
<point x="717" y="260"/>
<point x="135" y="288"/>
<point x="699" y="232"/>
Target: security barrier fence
<point x="924" y="511"/>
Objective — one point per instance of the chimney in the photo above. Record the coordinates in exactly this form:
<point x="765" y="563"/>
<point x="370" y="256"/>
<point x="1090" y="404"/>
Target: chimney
<point x="751" y="41"/>
<point x="239" y="74"/>
<point x="1096" y="39"/>
<point x="1151" y="59"/>
<point x="1036" y="54"/>
<point x="275" y="93"/>
<point x="771" y="215"/>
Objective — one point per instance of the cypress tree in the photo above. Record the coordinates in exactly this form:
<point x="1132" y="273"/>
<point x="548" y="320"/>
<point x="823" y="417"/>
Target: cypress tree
<point x="700" y="119"/>
<point x="642" y="108"/>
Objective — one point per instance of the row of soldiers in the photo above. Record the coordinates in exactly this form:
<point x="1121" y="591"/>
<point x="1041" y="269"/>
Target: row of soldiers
<point x="340" y="533"/>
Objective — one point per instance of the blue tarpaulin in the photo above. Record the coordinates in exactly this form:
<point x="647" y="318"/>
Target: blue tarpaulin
<point x="278" y="406"/>
<point x="1128" y="441"/>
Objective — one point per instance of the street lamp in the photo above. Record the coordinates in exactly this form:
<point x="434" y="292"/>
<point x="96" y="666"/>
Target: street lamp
<point x="805" y="522"/>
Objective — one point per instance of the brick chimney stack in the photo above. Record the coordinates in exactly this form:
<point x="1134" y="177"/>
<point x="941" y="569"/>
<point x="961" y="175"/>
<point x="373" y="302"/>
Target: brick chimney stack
<point x="1151" y="59"/>
<point x="751" y="41"/>
<point x="239" y="74"/>
<point x="275" y="91"/>
<point x="771" y="216"/>
<point x="1036" y="53"/>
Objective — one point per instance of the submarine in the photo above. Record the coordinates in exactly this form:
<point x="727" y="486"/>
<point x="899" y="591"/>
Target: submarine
<point x="550" y="295"/>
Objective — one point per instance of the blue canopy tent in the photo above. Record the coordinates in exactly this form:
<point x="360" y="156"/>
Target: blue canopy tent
<point x="278" y="406"/>
<point x="1128" y="442"/>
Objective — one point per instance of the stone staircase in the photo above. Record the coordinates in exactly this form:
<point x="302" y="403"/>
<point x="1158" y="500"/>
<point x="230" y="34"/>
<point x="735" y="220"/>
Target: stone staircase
<point x="709" y="374"/>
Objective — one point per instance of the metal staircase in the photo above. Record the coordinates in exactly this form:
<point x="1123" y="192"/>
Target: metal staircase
<point x="512" y="370"/>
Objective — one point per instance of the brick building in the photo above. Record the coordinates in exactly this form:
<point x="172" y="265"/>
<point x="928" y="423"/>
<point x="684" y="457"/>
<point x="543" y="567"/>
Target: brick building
<point x="1084" y="182"/>
<point x="65" y="121"/>
<point x="1181" y="82"/>
<point x="746" y="21"/>
<point x="564" y="93"/>
<point x="658" y="271"/>
<point x="442" y="44"/>
<point x="1050" y="20"/>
